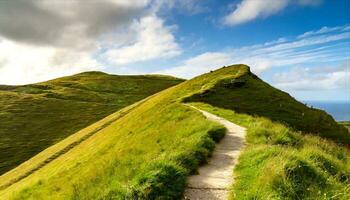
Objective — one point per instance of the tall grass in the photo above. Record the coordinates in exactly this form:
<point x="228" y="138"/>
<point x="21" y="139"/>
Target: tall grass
<point x="281" y="163"/>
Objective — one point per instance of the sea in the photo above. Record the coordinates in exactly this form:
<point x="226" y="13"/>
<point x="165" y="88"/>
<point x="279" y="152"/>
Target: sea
<point x="340" y="110"/>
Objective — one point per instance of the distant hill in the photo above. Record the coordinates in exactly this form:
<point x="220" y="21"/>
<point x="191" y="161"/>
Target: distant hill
<point x="36" y="116"/>
<point x="146" y="150"/>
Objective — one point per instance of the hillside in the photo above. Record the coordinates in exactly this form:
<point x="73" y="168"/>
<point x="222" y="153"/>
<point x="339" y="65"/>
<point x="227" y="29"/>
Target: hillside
<point x="346" y="124"/>
<point x="146" y="150"/>
<point x="34" y="117"/>
<point x="248" y="94"/>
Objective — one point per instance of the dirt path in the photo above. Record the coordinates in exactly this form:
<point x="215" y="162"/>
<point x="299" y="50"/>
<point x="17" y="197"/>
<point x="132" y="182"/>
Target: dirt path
<point x="214" y="178"/>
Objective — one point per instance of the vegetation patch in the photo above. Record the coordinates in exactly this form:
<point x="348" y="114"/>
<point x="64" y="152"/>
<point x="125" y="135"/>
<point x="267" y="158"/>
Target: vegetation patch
<point x="167" y="180"/>
<point x="346" y="124"/>
<point x="36" y="116"/>
<point x="247" y="94"/>
<point x="281" y="163"/>
<point x="162" y="141"/>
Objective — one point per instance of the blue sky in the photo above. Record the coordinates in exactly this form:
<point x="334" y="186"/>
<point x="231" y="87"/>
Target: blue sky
<point x="299" y="46"/>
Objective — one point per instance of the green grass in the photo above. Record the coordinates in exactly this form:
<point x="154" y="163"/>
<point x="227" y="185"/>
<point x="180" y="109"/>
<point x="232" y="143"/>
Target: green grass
<point x="346" y="124"/>
<point x="146" y="151"/>
<point x="34" y="117"/>
<point x="132" y="157"/>
<point x="254" y="97"/>
<point x="293" y="151"/>
<point x="280" y="163"/>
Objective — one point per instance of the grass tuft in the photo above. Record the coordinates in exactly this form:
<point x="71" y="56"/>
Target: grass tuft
<point x="167" y="180"/>
<point x="160" y="181"/>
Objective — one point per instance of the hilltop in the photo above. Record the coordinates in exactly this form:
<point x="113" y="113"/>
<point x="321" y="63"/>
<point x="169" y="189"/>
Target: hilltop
<point x="36" y="116"/>
<point x="247" y="94"/>
<point x="146" y="150"/>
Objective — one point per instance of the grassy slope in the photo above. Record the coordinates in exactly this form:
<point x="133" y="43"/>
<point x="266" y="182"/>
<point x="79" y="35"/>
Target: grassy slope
<point x="159" y="140"/>
<point x="346" y="124"/>
<point x="33" y="117"/>
<point x="149" y="149"/>
<point x="280" y="163"/>
<point x="255" y="97"/>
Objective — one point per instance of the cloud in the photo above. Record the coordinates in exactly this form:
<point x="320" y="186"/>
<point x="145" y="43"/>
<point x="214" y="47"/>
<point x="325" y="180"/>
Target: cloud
<point x="44" y="39"/>
<point x="153" y="40"/>
<point x="57" y="23"/>
<point x="300" y="43"/>
<point x="315" y="78"/>
<point x="198" y="65"/>
<point x="184" y="6"/>
<point x="40" y="40"/>
<point x="21" y="64"/>
<point x="325" y="30"/>
<point x="68" y="23"/>
<point x="278" y="53"/>
<point x="248" y="10"/>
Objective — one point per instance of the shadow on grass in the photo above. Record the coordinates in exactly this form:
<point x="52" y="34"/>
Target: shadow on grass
<point x="250" y="95"/>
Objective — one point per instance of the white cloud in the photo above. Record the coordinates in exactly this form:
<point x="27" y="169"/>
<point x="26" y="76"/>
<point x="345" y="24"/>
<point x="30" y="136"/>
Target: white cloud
<point x="65" y="23"/>
<point x="21" y="64"/>
<point x="277" y="53"/>
<point x="309" y="41"/>
<point x="248" y="10"/>
<point x="45" y="39"/>
<point x="184" y="6"/>
<point x="153" y="40"/>
<point x="199" y="65"/>
<point x="316" y="78"/>
<point x="325" y="30"/>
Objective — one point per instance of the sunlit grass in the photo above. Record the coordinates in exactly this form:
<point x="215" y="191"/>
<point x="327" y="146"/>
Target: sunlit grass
<point x="133" y="157"/>
<point x="280" y="163"/>
<point x="149" y="149"/>
<point x="34" y="117"/>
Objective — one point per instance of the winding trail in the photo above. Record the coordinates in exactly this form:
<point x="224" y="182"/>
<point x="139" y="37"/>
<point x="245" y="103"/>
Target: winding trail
<point x="214" y="178"/>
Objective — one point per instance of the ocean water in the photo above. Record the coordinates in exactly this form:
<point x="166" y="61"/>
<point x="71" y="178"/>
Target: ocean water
<point x="340" y="110"/>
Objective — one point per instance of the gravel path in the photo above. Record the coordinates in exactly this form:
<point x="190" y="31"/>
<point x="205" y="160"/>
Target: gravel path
<point x="214" y="178"/>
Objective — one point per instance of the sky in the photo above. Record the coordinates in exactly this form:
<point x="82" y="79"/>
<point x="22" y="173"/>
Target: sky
<point x="299" y="46"/>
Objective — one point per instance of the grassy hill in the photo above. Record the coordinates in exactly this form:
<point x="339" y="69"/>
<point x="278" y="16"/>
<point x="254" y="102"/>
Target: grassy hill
<point x="34" y="117"/>
<point x="146" y="150"/>
<point x="247" y="94"/>
<point x="282" y="163"/>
